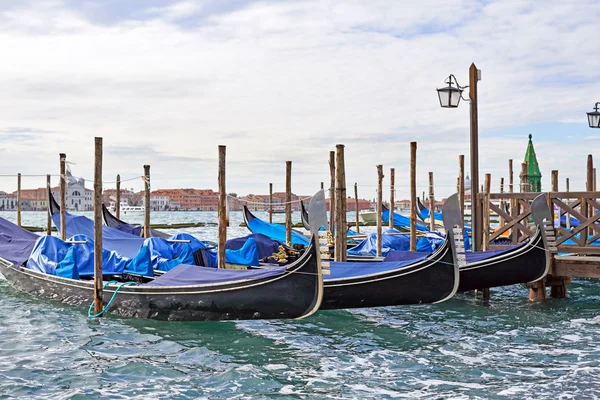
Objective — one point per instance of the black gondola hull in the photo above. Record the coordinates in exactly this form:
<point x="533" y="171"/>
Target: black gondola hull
<point x="432" y="280"/>
<point x="296" y="293"/>
<point x="524" y="264"/>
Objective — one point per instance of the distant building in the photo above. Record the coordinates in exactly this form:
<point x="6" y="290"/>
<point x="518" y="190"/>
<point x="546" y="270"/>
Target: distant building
<point x="534" y="176"/>
<point x="190" y="199"/>
<point x="7" y="201"/>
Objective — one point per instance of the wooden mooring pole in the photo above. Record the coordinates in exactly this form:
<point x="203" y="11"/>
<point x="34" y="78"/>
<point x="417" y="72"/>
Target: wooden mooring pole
<point x="379" y="207"/>
<point x="288" y="203"/>
<point x="19" y="199"/>
<point x="501" y="218"/>
<point x="568" y="216"/>
<point x="118" y="197"/>
<point x="486" y="224"/>
<point x="49" y="221"/>
<point x="222" y="212"/>
<point x="558" y="284"/>
<point x="332" y="192"/>
<point x="392" y="205"/>
<point x="146" y="201"/>
<point x="588" y="211"/>
<point x="270" y="203"/>
<point x="461" y="186"/>
<point x="431" y="204"/>
<point x="63" y="196"/>
<point x="357" y="226"/>
<point x="98" y="304"/>
<point x="413" y="196"/>
<point x="537" y="289"/>
<point x="340" y="187"/>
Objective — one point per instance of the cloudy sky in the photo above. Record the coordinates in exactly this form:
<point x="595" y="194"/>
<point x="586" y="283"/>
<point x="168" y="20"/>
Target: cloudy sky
<point x="165" y="82"/>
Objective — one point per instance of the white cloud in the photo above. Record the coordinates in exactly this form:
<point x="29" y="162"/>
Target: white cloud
<point x="288" y="80"/>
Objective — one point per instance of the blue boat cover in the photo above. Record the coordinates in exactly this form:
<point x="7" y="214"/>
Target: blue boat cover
<point x="395" y="242"/>
<point x="402" y="221"/>
<point x="401" y="255"/>
<point x="165" y="255"/>
<point x="186" y="275"/>
<point x="53" y="256"/>
<point x="425" y="214"/>
<point x="123" y="243"/>
<point x="265" y="245"/>
<point x="16" y="243"/>
<point x="276" y="232"/>
<point x="340" y="270"/>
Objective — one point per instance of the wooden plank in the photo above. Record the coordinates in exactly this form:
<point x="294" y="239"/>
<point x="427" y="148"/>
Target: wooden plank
<point x="146" y="201"/>
<point x="431" y="204"/>
<point x="288" y="203"/>
<point x="413" y="196"/>
<point x="508" y="196"/>
<point x="49" y="221"/>
<point x="63" y="196"/>
<point x="571" y="248"/>
<point x="118" y="197"/>
<point x="357" y="227"/>
<point x="98" y="305"/>
<point x="340" y="196"/>
<point x="332" y="191"/>
<point x="379" y="207"/>
<point x="575" y="267"/>
<point x="222" y="205"/>
<point x="19" y="199"/>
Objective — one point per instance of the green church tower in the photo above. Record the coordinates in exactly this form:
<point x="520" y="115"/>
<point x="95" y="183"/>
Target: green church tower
<point x="533" y="169"/>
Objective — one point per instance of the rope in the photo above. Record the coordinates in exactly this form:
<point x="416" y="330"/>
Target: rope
<point x="90" y="315"/>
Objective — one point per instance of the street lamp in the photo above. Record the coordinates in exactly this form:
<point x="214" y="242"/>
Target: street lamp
<point x="449" y="98"/>
<point x="450" y="95"/>
<point x="594" y="117"/>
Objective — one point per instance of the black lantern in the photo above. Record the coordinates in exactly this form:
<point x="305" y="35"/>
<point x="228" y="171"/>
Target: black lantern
<point x="450" y="95"/>
<point x="594" y="117"/>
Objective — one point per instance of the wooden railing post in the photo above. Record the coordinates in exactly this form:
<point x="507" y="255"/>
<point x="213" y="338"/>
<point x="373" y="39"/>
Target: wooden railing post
<point x="587" y="211"/>
<point x="537" y="290"/>
<point x="502" y="202"/>
<point x="568" y="216"/>
<point x="270" y="203"/>
<point x="486" y="224"/>
<point x="461" y="186"/>
<point x="379" y="207"/>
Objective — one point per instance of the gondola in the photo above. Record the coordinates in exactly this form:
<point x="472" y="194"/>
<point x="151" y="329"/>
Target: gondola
<point x="304" y="216"/>
<point x="274" y="231"/>
<point x="114" y="222"/>
<point x="428" y="278"/>
<point x="188" y="293"/>
<point x="526" y="262"/>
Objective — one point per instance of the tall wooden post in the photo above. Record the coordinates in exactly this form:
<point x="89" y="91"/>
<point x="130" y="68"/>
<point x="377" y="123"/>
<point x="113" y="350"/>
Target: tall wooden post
<point x="49" y="221"/>
<point x="288" y="202"/>
<point x="118" y="197"/>
<point x="558" y="287"/>
<point x="524" y="178"/>
<point x="537" y="290"/>
<point x="461" y="186"/>
<point x="474" y="130"/>
<point x="19" y="199"/>
<point x="270" y="203"/>
<point x="98" y="305"/>
<point x="392" y="205"/>
<point x="501" y="218"/>
<point x="357" y="226"/>
<point x="486" y="224"/>
<point x="332" y="192"/>
<point x="340" y="187"/>
<point x="594" y="179"/>
<point x="413" y="196"/>
<point x="510" y="176"/>
<point x="431" y="204"/>
<point x="379" y="207"/>
<point x="63" y="196"/>
<point x="147" y="201"/>
<point x="222" y="205"/>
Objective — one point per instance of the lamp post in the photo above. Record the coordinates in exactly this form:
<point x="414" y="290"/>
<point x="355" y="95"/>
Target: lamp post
<point x="449" y="98"/>
<point x="594" y="117"/>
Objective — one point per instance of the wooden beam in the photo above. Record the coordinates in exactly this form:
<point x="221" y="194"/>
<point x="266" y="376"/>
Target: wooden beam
<point x="118" y="200"/>
<point x="431" y="204"/>
<point x="49" y="221"/>
<point x="461" y="186"/>
<point x="19" y="199"/>
<point x="332" y="192"/>
<point x="147" y="201"/>
<point x="271" y="203"/>
<point x="486" y="213"/>
<point x="392" y="205"/>
<point x="357" y="227"/>
<point x="288" y="202"/>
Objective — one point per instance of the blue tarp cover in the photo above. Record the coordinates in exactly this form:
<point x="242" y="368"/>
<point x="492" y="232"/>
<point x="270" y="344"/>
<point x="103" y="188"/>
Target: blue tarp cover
<point x="341" y="270"/>
<point x="425" y="214"/>
<point x="265" y="245"/>
<point x="402" y="221"/>
<point x="166" y="256"/>
<point x="395" y="242"/>
<point x="186" y="275"/>
<point x="16" y="243"/>
<point x="399" y="255"/>
<point x="123" y="243"/>
<point x="276" y="232"/>
<point x="53" y="256"/>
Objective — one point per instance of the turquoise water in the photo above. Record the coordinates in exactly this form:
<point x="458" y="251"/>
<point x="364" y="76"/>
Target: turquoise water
<point x="460" y="349"/>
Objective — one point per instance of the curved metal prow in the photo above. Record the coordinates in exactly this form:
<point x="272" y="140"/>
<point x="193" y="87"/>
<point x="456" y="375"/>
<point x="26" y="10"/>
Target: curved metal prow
<point x="453" y="224"/>
<point x="317" y="214"/>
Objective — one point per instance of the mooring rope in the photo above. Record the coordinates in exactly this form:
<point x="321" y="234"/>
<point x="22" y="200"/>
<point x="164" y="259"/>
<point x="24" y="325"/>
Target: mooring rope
<point x="90" y="315"/>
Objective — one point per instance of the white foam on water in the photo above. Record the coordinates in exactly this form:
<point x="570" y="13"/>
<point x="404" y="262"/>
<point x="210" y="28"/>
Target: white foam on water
<point x="437" y="382"/>
<point x="378" y="391"/>
<point x="276" y="367"/>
